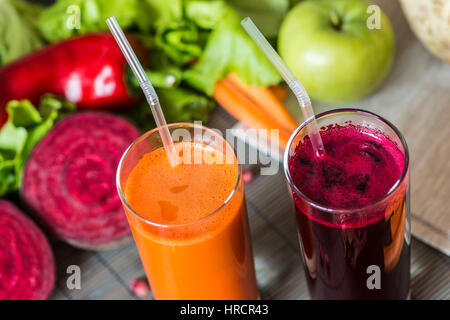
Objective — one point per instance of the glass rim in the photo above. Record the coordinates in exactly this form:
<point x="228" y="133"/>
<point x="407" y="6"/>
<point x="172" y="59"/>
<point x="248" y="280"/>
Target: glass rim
<point x="175" y="225"/>
<point x="330" y="209"/>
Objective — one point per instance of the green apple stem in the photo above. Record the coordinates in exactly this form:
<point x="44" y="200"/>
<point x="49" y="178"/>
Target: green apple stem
<point x="336" y="20"/>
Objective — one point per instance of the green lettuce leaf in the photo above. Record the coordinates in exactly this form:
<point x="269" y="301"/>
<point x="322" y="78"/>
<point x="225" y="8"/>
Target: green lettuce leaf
<point x="180" y="40"/>
<point x="25" y="127"/>
<point x="164" y="28"/>
<point x="205" y="13"/>
<point x="192" y="43"/>
<point x="267" y="14"/>
<point x="67" y="18"/>
<point x="178" y="104"/>
<point x="184" y="105"/>
<point x="18" y="35"/>
<point x="228" y="49"/>
<point x="154" y="13"/>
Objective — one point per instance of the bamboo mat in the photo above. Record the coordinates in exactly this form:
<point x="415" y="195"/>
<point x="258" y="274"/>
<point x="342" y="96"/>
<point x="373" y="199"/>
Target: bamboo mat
<point x="107" y="274"/>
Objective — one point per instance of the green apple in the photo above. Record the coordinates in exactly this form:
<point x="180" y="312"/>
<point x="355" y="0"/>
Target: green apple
<point x="337" y="49"/>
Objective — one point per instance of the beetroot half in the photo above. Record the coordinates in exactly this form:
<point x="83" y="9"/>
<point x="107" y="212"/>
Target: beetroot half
<point x="27" y="267"/>
<point x="69" y="180"/>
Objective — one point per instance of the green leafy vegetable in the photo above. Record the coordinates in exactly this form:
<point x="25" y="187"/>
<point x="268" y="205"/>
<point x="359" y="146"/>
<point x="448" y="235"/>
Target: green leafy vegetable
<point x="178" y="104"/>
<point x="154" y="13"/>
<point x="185" y="31"/>
<point x="192" y="44"/>
<point x="183" y="105"/>
<point x="210" y="35"/>
<point x="17" y="33"/>
<point x="267" y="14"/>
<point x="25" y="127"/>
<point x="67" y="18"/>
<point x="180" y="41"/>
<point x="205" y="14"/>
<point x="162" y="77"/>
<point x="228" y="49"/>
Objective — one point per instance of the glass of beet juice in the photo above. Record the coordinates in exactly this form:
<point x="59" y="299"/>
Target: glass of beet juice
<point x="352" y="206"/>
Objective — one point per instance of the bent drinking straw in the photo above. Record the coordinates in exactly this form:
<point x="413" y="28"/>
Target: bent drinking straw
<point x="293" y="83"/>
<point x="146" y="87"/>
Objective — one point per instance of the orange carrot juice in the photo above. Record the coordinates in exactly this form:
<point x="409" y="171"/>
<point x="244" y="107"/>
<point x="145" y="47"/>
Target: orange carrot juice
<point x="190" y="224"/>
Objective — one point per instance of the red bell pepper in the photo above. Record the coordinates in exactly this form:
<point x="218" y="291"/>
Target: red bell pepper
<point x="89" y="70"/>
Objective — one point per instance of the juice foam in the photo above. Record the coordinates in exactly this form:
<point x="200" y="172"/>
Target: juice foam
<point x="360" y="166"/>
<point x="180" y="194"/>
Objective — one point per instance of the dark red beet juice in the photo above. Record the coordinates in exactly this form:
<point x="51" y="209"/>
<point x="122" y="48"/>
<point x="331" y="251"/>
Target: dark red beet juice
<point x="353" y="228"/>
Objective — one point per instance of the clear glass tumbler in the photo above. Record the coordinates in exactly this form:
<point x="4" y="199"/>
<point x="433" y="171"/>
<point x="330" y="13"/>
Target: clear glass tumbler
<point x="359" y="252"/>
<point x="207" y="258"/>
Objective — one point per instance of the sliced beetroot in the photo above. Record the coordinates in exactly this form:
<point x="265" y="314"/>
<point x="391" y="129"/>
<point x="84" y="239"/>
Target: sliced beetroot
<point x="69" y="179"/>
<point x="27" y="267"/>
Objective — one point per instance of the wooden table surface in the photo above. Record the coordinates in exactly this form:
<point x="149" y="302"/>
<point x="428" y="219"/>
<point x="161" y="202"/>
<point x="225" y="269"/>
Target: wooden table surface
<point x="416" y="98"/>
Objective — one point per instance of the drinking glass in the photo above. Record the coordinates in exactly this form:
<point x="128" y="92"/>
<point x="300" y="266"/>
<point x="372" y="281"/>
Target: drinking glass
<point x="208" y="258"/>
<point x="361" y="253"/>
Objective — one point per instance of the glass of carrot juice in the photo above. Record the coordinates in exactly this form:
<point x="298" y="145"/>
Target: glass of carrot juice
<point x="189" y="221"/>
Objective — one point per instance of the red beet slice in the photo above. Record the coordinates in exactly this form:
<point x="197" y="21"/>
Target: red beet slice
<point x="69" y="180"/>
<point x="27" y="268"/>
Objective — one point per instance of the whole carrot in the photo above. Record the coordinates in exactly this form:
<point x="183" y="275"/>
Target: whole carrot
<point x="244" y="109"/>
<point x="279" y="91"/>
<point x="266" y="100"/>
